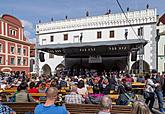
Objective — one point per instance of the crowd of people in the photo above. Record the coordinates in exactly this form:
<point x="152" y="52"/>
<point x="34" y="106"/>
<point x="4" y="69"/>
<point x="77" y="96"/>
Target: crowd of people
<point x="87" y="87"/>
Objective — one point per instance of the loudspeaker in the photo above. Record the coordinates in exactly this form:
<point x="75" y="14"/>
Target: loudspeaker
<point x="134" y="56"/>
<point x="41" y="57"/>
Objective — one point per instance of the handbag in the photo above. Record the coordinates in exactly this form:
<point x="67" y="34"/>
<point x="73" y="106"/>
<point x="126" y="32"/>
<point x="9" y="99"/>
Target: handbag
<point x="146" y="94"/>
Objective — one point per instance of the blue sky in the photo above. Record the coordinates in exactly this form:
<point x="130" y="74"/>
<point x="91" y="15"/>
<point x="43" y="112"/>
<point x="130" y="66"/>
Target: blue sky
<point x="31" y="11"/>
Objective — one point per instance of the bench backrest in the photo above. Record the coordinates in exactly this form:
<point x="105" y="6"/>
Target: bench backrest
<point x="21" y="108"/>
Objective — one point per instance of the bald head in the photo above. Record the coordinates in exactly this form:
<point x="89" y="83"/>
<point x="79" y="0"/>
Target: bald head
<point x="106" y="102"/>
<point x="52" y="93"/>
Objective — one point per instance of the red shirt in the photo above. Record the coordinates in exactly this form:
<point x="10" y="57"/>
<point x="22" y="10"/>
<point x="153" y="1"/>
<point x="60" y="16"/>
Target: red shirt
<point x="33" y="90"/>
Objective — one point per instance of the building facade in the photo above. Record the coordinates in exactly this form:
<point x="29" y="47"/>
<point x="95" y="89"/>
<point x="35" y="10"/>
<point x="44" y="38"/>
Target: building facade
<point x="161" y="44"/>
<point x="32" y="58"/>
<point x="110" y="28"/>
<point x="14" y="47"/>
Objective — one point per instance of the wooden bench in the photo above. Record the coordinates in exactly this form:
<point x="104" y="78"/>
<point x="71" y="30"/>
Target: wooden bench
<point x="21" y="108"/>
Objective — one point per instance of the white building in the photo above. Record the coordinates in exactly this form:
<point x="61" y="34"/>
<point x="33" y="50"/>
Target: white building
<point x="161" y="44"/>
<point x="59" y="37"/>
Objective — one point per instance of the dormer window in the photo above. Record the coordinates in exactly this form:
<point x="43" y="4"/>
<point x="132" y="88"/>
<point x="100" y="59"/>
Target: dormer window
<point x="12" y="32"/>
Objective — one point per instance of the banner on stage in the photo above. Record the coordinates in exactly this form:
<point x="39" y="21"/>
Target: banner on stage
<point x="95" y="59"/>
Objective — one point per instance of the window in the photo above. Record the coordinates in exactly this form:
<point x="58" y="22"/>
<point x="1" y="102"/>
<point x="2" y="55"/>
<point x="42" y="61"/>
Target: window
<point x="51" y="55"/>
<point x="0" y="47"/>
<point x="140" y="31"/>
<point x="24" y="61"/>
<point x="19" y="51"/>
<point x="112" y="34"/>
<point x="19" y="61"/>
<point x="24" y="52"/>
<point x="12" y="50"/>
<point x="12" y="61"/>
<point x="51" y="38"/>
<point x="0" y="60"/>
<point x="65" y="36"/>
<point x="99" y="34"/>
<point x="164" y="49"/>
<point x="43" y="41"/>
<point x="12" y="32"/>
<point x="126" y="34"/>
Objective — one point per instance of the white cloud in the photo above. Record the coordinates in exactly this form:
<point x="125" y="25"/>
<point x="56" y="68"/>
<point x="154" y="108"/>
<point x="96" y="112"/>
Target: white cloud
<point x="27" y="34"/>
<point x="27" y="24"/>
<point x="32" y="40"/>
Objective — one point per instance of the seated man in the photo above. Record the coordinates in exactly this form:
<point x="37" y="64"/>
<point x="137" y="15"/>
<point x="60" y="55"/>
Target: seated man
<point x="49" y="107"/>
<point x="74" y="97"/>
<point x="106" y="105"/>
<point x="3" y="108"/>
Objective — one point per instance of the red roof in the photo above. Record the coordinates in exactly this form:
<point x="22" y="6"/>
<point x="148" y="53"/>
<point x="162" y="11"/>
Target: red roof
<point x="162" y="19"/>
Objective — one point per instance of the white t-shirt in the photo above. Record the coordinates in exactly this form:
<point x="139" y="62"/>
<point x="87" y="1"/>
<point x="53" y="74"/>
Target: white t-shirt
<point x="82" y="91"/>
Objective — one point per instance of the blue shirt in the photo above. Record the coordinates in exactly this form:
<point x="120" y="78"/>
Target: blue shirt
<point x="52" y="109"/>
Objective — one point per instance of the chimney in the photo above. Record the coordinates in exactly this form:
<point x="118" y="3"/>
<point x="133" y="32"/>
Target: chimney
<point x="87" y="13"/>
<point x="127" y="8"/>
<point x="66" y="17"/>
<point x="147" y="6"/>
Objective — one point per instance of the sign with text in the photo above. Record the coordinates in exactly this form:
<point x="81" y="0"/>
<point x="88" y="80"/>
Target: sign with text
<point x="95" y="59"/>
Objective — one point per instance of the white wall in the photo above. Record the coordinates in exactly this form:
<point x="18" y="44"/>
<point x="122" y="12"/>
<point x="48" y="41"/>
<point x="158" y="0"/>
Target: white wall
<point x="161" y="49"/>
<point x="89" y="26"/>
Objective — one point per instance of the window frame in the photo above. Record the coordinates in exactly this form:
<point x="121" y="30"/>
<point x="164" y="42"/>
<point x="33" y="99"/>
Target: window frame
<point x="111" y="34"/>
<point x="140" y="31"/>
<point x="12" y="47"/>
<point x="24" y="61"/>
<point x="13" y="61"/>
<point x="20" y="61"/>
<point x="51" y="38"/>
<point x="51" y="56"/>
<point x="65" y="37"/>
<point x="1" y="47"/>
<point x="24" y="51"/>
<point x="99" y="34"/>
<point x="19" y="53"/>
<point x="1" y="60"/>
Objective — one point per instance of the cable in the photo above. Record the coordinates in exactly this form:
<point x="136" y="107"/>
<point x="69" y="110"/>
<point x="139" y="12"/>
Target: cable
<point x="126" y="18"/>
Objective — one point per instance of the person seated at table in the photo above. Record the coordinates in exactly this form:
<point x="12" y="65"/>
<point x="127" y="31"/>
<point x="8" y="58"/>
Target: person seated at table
<point x="128" y="79"/>
<point x="23" y="95"/>
<point x="4" y="109"/>
<point x="95" y="83"/>
<point x="49" y="107"/>
<point x="42" y="89"/>
<point x="74" y="97"/>
<point x="82" y="90"/>
<point x="33" y="89"/>
<point x="126" y="97"/>
<point x="105" y="105"/>
<point x="141" y="79"/>
<point x="106" y="86"/>
<point x="140" y="108"/>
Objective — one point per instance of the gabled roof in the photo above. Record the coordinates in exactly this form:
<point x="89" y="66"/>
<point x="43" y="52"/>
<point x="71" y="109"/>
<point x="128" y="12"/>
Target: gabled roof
<point x="162" y="19"/>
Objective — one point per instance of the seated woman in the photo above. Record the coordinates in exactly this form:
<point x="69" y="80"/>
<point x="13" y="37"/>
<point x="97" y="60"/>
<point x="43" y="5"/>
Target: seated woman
<point x="42" y="89"/>
<point x="33" y="89"/>
<point x="126" y="96"/>
<point x="140" y="108"/>
<point x="22" y="95"/>
<point x="82" y="90"/>
<point x="106" y="87"/>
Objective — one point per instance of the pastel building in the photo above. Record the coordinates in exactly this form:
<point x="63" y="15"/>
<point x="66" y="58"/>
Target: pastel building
<point x="14" y="47"/>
